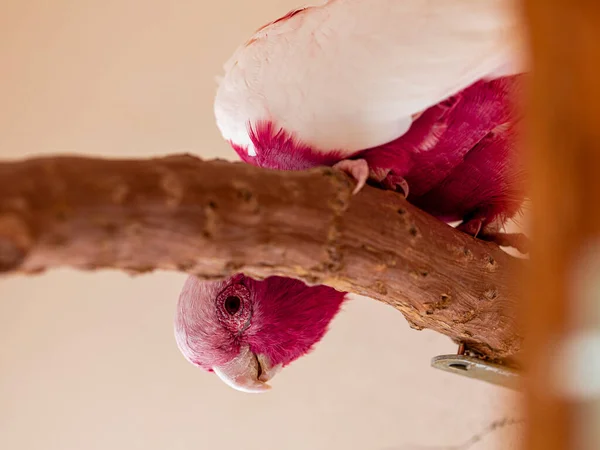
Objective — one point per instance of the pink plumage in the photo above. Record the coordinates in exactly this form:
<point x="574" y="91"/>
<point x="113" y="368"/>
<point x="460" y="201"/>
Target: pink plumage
<point x="270" y="323"/>
<point x="277" y="149"/>
<point x="460" y="158"/>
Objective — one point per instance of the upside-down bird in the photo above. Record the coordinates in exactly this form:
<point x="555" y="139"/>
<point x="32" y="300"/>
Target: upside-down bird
<point x="410" y="95"/>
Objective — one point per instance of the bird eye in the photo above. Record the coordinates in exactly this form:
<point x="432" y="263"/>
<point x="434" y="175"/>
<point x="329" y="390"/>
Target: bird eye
<point x="232" y="304"/>
<point x="234" y="307"/>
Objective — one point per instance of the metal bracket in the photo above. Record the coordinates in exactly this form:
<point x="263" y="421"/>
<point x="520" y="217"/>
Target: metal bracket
<point x="479" y="369"/>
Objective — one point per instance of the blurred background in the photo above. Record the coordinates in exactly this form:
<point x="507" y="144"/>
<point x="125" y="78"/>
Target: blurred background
<point x="88" y="361"/>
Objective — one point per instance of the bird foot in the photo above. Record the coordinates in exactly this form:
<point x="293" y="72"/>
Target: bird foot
<point x="357" y="169"/>
<point x="471" y="227"/>
<point x="393" y="182"/>
<point x="475" y="228"/>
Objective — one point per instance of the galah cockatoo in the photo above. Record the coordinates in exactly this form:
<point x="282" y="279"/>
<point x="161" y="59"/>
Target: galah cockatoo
<point x="414" y="95"/>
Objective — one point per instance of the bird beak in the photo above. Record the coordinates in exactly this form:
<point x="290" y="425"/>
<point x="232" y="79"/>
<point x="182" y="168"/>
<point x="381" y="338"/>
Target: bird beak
<point x="247" y="372"/>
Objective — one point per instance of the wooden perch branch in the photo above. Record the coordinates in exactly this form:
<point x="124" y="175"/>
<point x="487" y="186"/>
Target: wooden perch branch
<point x="216" y="218"/>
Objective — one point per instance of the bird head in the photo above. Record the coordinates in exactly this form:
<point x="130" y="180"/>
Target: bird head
<point x="245" y="330"/>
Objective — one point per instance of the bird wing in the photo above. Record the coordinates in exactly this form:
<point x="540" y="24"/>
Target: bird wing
<point x="349" y="74"/>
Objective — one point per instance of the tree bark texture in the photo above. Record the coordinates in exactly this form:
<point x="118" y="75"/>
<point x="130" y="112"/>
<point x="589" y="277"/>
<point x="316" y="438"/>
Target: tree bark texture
<point x="216" y="218"/>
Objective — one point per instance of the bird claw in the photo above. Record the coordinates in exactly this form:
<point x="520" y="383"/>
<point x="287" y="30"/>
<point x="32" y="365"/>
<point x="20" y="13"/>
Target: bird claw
<point x="357" y="169"/>
<point x="471" y="227"/>
<point x="393" y="182"/>
<point x="475" y="228"/>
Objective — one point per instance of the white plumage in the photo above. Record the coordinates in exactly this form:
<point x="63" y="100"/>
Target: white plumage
<point x="349" y="74"/>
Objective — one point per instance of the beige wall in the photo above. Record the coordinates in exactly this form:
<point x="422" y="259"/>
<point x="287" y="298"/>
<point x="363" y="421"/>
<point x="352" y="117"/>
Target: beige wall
<point x="88" y="361"/>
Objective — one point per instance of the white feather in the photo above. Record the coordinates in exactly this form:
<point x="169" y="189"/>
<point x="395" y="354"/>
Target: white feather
<point x="348" y="75"/>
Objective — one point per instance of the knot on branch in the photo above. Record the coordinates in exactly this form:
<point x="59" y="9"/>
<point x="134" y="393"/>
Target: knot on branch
<point x="15" y="241"/>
